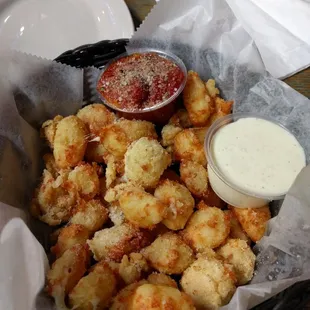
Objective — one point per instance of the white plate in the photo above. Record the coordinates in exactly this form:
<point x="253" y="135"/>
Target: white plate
<point x="48" y="28"/>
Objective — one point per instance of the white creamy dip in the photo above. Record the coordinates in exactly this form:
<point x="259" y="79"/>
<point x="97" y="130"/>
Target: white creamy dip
<point x="257" y="156"/>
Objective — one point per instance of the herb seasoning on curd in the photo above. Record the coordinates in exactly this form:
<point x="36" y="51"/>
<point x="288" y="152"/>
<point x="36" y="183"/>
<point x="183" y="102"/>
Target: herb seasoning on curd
<point x="139" y="81"/>
<point x="256" y="156"/>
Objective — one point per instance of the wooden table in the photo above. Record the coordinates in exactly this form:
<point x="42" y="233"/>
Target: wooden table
<point x="299" y="81"/>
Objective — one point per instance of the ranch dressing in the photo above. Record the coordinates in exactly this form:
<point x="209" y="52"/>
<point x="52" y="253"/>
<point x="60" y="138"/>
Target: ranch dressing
<point x="258" y="157"/>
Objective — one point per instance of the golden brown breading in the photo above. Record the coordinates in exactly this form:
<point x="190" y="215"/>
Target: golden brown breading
<point x="188" y="147"/>
<point x="102" y="188"/>
<point x="200" y="133"/>
<point x="170" y="151"/>
<point x="114" y="140"/>
<point x="110" y="172"/>
<point x="70" y="142"/>
<point x="222" y="108"/>
<point x="50" y="164"/>
<point x="209" y="281"/>
<point x="197" y="101"/>
<point x="85" y="179"/>
<point x="53" y="200"/>
<point x="213" y="200"/>
<point x="136" y="129"/>
<point x="95" y="117"/>
<point x="123" y="299"/>
<point x="48" y="130"/>
<point x="161" y="279"/>
<point x="181" y="119"/>
<point x="132" y="267"/>
<point x="207" y="228"/>
<point x="236" y="231"/>
<point x="66" y="271"/>
<point x="96" y="152"/>
<point x="116" y="214"/>
<point x="253" y="220"/>
<point x="169" y="254"/>
<point x="145" y="161"/>
<point x="212" y="90"/>
<point x="94" y="291"/>
<point x="168" y="134"/>
<point x="117" y="137"/>
<point x="92" y="214"/>
<point x="141" y="208"/>
<point x="159" y="297"/>
<point x="113" y="193"/>
<point x="115" y="242"/>
<point x="179" y="201"/>
<point x="68" y="237"/>
<point x="238" y="253"/>
<point x="195" y="177"/>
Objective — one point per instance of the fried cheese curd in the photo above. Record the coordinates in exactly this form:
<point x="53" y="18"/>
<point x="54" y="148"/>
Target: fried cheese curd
<point x="68" y="237"/>
<point x="188" y="147"/>
<point x="53" y="200"/>
<point x="141" y="208"/>
<point x="161" y="279"/>
<point x="209" y="281"/>
<point x="239" y="254"/>
<point x="145" y="162"/>
<point x="222" y="108"/>
<point x="236" y="231"/>
<point x="132" y="267"/>
<point x="179" y="201"/>
<point x="169" y="254"/>
<point x="95" y="117"/>
<point x="66" y="272"/>
<point x="159" y="297"/>
<point x="95" y="290"/>
<point x="150" y="297"/>
<point x="48" y="130"/>
<point x="115" y="242"/>
<point x="91" y="214"/>
<point x="122" y="301"/>
<point x="70" y="142"/>
<point x="116" y="137"/>
<point x="181" y="119"/>
<point x="85" y="179"/>
<point x="207" y="228"/>
<point x="50" y="165"/>
<point x="116" y="214"/>
<point x="197" y="100"/>
<point x="253" y="220"/>
<point x="168" y="134"/>
<point x="95" y="151"/>
<point x="195" y="177"/>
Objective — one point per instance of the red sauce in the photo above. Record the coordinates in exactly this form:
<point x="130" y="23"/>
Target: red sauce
<point x="140" y="81"/>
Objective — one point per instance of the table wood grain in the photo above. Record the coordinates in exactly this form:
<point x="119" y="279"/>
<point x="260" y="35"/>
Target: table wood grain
<point x="141" y="8"/>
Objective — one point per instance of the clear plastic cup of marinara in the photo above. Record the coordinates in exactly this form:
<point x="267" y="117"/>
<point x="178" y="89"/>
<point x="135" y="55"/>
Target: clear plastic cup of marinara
<point x="143" y="84"/>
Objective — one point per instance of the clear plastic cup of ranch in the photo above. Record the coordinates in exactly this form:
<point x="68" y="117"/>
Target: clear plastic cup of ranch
<point x="252" y="159"/>
<point x="152" y="78"/>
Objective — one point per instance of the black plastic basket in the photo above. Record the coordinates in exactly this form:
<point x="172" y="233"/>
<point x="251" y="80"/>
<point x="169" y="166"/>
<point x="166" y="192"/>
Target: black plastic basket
<point x="296" y="297"/>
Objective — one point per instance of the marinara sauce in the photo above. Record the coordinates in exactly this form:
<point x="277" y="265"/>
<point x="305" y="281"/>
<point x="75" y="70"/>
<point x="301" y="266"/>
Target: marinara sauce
<point x="139" y="81"/>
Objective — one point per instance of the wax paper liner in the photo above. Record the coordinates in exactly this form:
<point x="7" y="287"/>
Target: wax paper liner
<point x="206" y="35"/>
